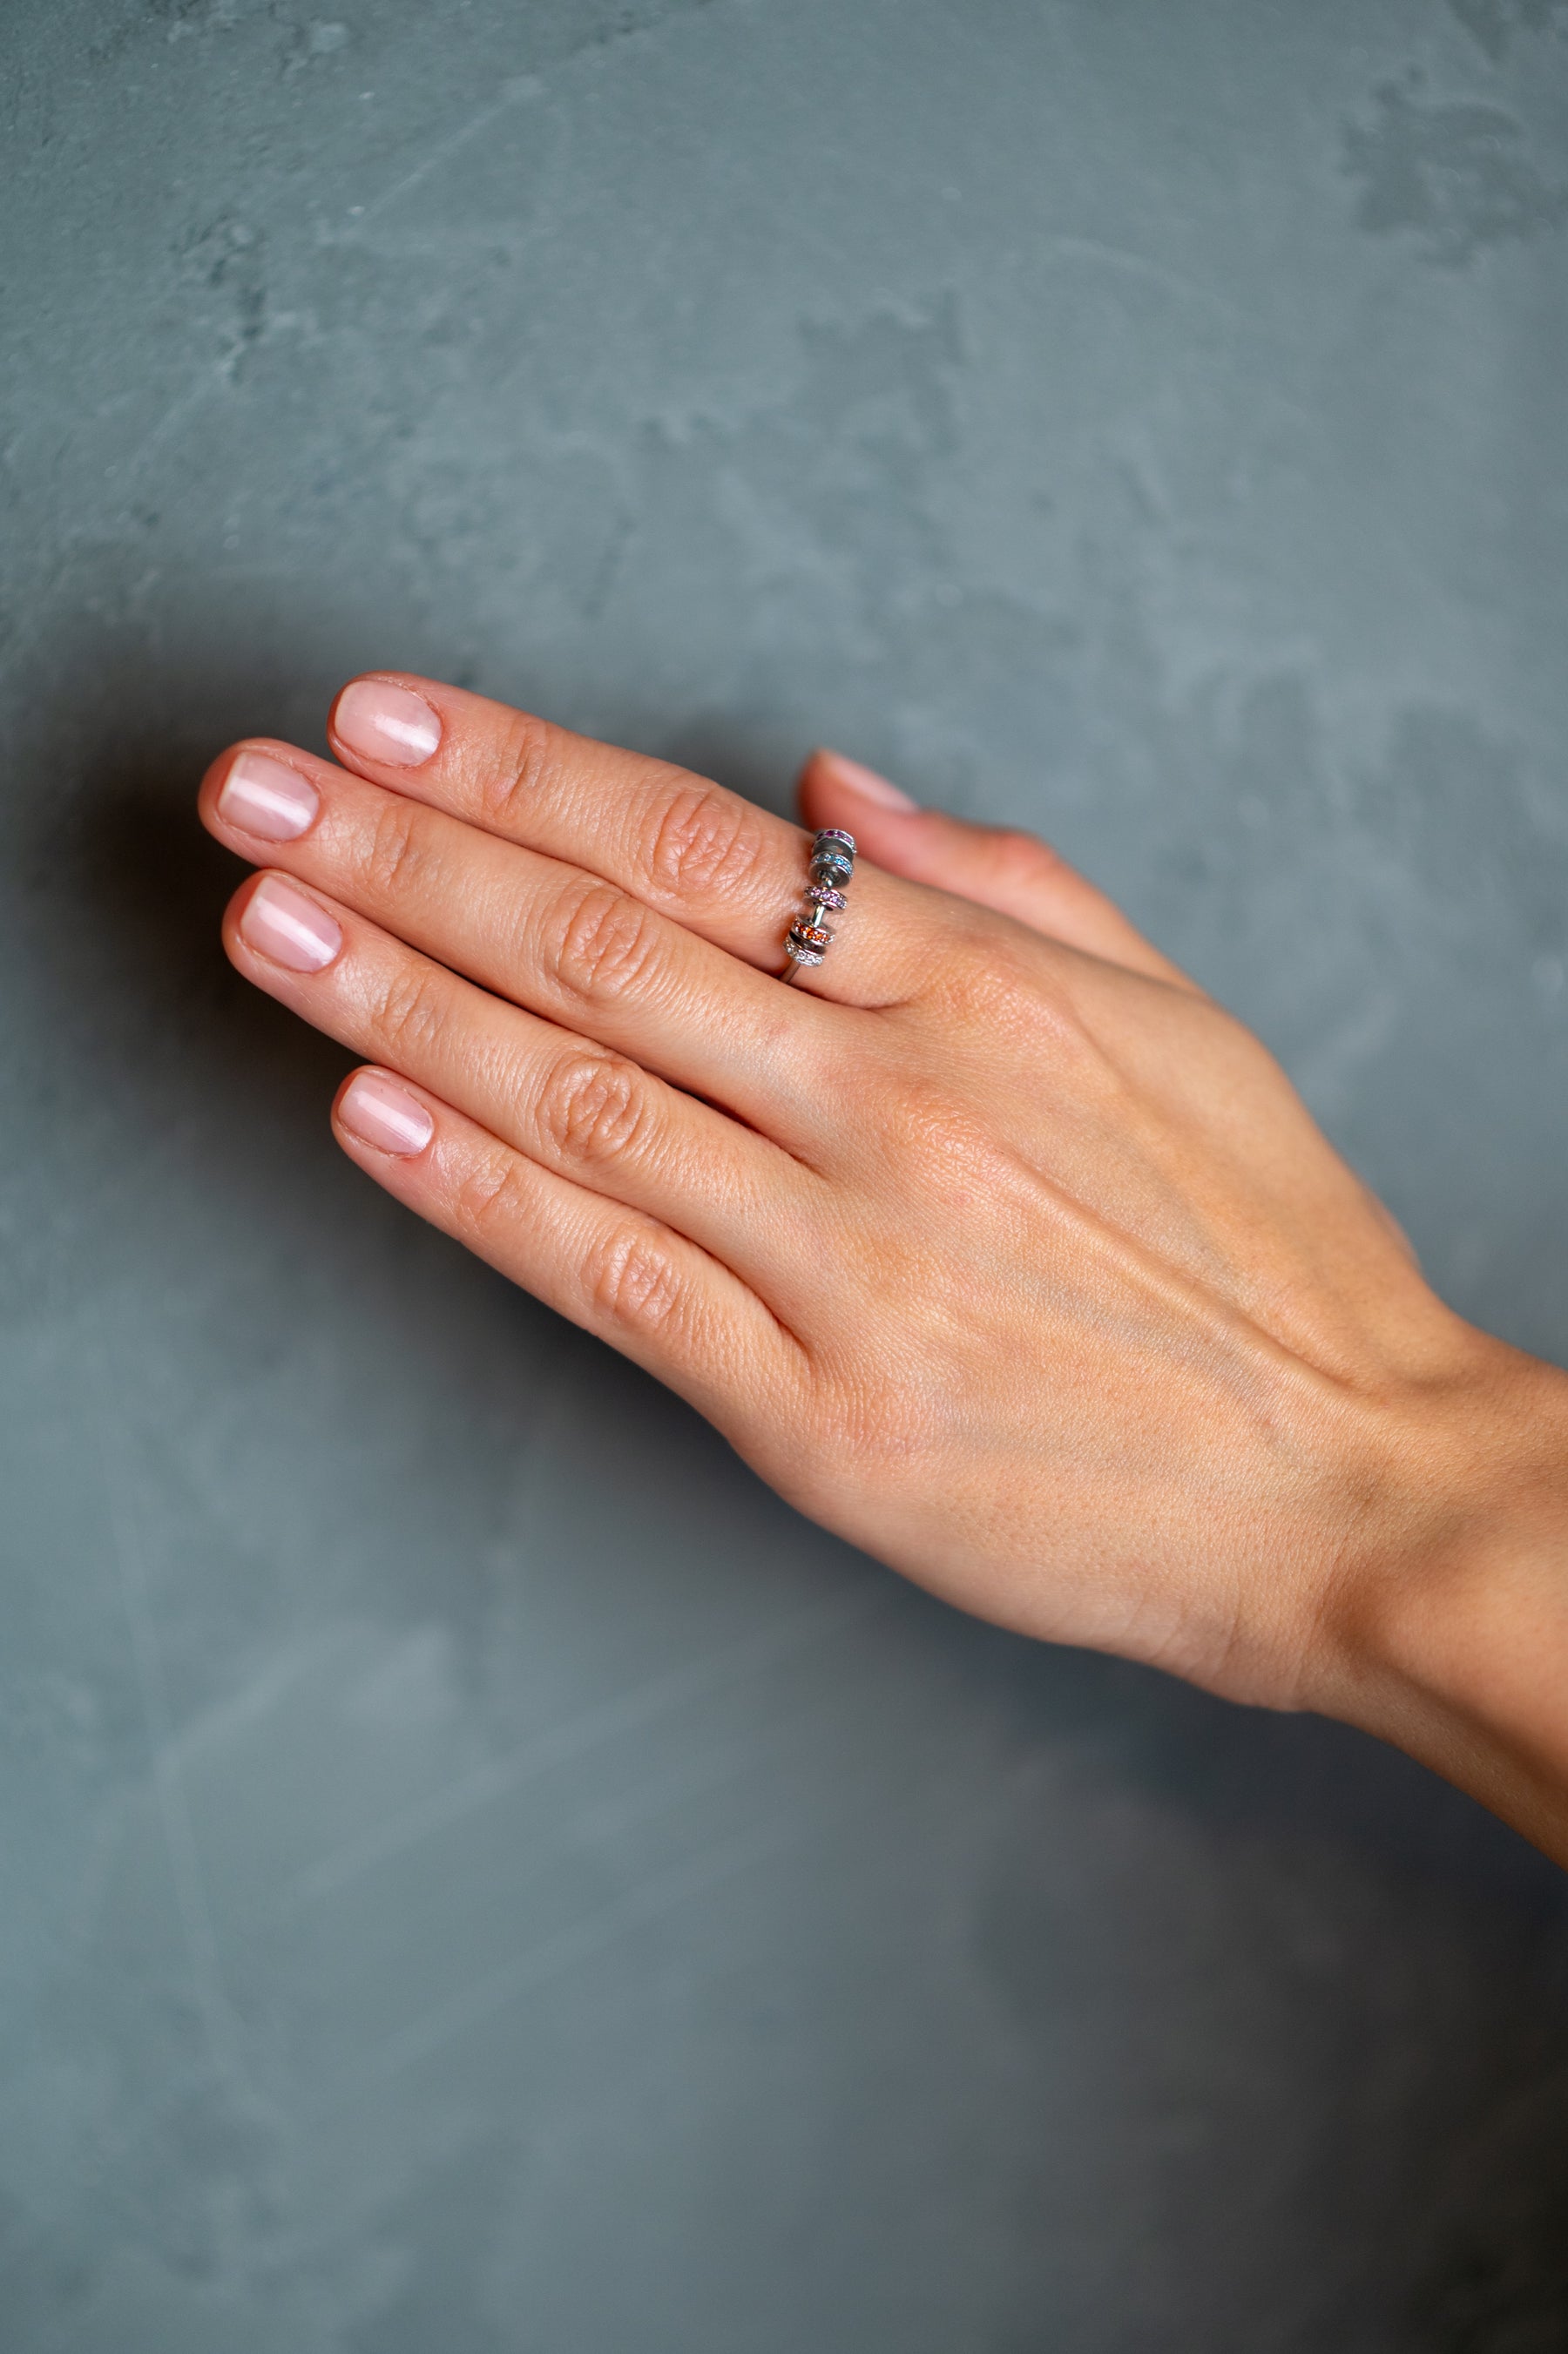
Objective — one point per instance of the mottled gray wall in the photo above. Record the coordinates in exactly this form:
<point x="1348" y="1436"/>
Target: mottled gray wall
<point x="479" y="1876"/>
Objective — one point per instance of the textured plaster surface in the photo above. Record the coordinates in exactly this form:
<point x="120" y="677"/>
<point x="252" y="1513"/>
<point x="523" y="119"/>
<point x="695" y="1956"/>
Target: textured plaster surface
<point x="478" y="1874"/>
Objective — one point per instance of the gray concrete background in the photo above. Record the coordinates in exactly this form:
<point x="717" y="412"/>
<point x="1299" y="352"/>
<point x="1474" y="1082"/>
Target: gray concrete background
<point x="479" y="1875"/>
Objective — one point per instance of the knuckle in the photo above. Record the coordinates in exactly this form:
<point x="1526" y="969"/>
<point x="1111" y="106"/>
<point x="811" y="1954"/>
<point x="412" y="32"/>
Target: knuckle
<point x="394" y="849"/>
<point x="929" y="1128"/>
<point x="857" y="1421"/>
<point x="490" y="1199"/>
<point x="1024" y="860"/>
<point x="591" y="1107"/>
<point x="632" y="1283"/>
<point x="412" y="1014"/>
<point x="974" y="976"/>
<point x="700" y="842"/>
<point x="600" y="942"/>
<point x="1017" y="1005"/>
<point x="867" y="1420"/>
<point x="525" y="764"/>
<point x="998" y="982"/>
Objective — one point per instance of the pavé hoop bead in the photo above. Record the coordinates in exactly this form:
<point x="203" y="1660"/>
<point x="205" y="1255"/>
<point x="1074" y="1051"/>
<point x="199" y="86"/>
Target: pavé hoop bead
<point x="808" y="939"/>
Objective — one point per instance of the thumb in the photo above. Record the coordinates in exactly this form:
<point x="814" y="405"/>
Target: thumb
<point x="1016" y="874"/>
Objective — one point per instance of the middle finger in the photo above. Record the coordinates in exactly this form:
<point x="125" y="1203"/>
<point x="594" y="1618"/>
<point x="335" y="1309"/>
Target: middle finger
<point x="674" y="840"/>
<point x="591" y="1117"/>
<point x="550" y="936"/>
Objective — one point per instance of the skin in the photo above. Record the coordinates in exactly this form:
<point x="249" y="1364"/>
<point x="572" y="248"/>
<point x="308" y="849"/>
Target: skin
<point x="993" y="1243"/>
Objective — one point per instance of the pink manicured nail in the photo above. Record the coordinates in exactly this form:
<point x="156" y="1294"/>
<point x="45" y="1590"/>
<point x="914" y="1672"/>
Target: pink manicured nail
<point x="869" y="785"/>
<point x="385" y="722"/>
<point x="282" y="924"/>
<point x="263" y="798"/>
<point x="379" y="1112"/>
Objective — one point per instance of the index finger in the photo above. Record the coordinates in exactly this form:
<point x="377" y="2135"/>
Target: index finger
<point x="677" y="840"/>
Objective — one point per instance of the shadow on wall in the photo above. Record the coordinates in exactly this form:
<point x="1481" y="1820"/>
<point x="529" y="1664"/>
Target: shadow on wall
<point x="129" y="1003"/>
<point x="1493" y="2278"/>
<point x="124" y="890"/>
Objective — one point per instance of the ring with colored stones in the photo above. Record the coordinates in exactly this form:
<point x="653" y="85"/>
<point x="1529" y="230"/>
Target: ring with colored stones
<point x="832" y="862"/>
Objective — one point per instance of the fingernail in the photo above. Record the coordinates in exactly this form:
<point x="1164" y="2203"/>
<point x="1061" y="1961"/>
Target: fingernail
<point x="263" y="797"/>
<point x="379" y="1112"/>
<point x="869" y="785"/>
<point x="387" y="722"/>
<point x="294" y="931"/>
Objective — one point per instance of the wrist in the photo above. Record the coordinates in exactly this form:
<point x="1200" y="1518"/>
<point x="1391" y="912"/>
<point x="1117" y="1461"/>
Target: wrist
<point x="1452" y="1643"/>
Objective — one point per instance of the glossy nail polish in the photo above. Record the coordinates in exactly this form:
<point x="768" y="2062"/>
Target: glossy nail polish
<point x="387" y="724"/>
<point x="295" y="932"/>
<point x="379" y="1112"/>
<point x="263" y="798"/>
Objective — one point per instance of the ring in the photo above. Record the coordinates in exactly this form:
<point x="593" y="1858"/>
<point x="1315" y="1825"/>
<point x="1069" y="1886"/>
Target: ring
<point x="832" y="862"/>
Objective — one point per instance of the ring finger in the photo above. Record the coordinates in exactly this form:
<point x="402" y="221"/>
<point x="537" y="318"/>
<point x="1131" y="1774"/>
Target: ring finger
<point x="674" y="840"/>
<point x="584" y="1112"/>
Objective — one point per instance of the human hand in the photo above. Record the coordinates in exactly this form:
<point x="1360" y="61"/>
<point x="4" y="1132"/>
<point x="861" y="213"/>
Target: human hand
<point x="994" y="1245"/>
